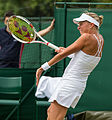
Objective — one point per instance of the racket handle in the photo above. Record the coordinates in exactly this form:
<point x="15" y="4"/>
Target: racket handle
<point x="53" y="46"/>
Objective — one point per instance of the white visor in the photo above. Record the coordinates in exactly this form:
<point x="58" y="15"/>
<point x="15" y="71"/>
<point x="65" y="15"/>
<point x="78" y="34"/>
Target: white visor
<point x="85" y="17"/>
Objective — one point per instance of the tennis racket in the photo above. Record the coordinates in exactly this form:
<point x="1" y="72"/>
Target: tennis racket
<point x="23" y="31"/>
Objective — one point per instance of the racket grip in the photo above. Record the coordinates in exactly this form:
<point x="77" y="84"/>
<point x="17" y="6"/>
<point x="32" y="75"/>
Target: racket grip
<point x="53" y="46"/>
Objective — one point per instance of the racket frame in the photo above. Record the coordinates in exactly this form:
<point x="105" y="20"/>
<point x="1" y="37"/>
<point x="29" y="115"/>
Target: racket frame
<point x="28" y="22"/>
<point x="35" y="34"/>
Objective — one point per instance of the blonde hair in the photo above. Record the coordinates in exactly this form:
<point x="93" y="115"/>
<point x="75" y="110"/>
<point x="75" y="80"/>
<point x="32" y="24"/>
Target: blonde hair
<point x="96" y="17"/>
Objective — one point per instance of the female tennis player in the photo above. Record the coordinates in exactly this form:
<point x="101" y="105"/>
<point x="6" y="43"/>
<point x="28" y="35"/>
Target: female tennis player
<point x="87" y="50"/>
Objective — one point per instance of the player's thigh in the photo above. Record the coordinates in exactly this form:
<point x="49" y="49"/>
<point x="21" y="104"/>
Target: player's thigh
<point x="56" y="111"/>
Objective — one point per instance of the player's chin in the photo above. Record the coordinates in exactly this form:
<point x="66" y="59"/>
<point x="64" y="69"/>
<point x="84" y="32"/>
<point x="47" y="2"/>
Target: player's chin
<point x="81" y="32"/>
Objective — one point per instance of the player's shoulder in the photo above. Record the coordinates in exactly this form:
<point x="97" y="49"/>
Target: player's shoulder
<point x="87" y="36"/>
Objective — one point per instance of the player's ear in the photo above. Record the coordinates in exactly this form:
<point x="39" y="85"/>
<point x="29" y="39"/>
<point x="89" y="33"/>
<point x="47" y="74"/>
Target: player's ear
<point x="92" y="25"/>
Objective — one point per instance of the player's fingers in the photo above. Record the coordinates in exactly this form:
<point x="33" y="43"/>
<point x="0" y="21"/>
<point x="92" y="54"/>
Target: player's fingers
<point x="37" y="77"/>
<point x="37" y="82"/>
<point x="37" y="73"/>
<point x="61" y="49"/>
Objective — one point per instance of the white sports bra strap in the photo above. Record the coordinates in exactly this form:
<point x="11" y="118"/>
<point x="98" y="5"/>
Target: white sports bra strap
<point x="100" y="44"/>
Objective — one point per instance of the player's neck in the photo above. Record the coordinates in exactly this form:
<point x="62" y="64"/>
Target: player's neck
<point x="94" y="31"/>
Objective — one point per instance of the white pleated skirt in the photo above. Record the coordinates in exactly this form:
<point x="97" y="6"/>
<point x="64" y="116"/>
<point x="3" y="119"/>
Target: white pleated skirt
<point x="68" y="92"/>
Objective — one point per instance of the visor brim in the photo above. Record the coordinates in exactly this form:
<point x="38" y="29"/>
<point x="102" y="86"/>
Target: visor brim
<point x="77" y="20"/>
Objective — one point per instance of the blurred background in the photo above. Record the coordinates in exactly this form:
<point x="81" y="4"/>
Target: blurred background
<point x="37" y="8"/>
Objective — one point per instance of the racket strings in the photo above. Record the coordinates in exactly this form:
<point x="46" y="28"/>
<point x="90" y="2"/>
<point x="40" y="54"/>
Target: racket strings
<point x="21" y="29"/>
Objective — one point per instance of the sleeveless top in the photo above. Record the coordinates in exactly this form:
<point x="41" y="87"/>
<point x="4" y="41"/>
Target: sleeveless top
<point x="82" y="64"/>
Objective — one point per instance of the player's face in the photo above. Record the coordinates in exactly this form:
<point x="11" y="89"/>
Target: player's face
<point x="83" y="27"/>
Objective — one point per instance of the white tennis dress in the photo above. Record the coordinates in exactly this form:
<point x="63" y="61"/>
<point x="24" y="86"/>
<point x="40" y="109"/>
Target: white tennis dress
<point x="72" y="84"/>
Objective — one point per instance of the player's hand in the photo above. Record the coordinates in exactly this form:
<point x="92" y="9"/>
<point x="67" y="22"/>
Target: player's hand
<point x="52" y="24"/>
<point x="38" y="74"/>
<point x="61" y="49"/>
